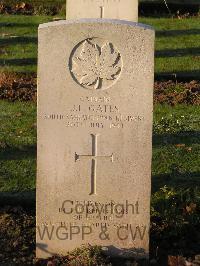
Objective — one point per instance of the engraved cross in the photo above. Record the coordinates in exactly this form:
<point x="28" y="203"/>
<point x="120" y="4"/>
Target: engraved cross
<point x="94" y="157"/>
<point x="101" y="11"/>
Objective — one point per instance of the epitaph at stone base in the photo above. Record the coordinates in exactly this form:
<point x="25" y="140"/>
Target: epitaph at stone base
<point x="95" y="104"/>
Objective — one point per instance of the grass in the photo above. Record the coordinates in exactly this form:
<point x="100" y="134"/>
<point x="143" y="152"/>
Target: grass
<point x="17" y="146"/>
<point x="18" y="42"/>
<point x="37" y="7"/>
<point x="55" y="2"/>
<point x="172" y="1"/>
<point x="177" y="44"/>
<point x="176" y="146"/>
<point x="175" y="172"/>
<point x="37" y="2"/>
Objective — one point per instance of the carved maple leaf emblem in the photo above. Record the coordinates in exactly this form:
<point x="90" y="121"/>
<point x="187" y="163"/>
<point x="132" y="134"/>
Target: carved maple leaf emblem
<point x="96" y="64"/>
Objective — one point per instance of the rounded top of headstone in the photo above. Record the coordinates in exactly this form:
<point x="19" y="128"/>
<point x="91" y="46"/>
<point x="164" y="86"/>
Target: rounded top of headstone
<point x="96" y="21"/>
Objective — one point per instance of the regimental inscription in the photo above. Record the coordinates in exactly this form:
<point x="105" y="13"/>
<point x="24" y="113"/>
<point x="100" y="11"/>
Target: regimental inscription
<point x="95" y="64"/>
<point x="95" y="112"/>
<point x="94" y="157"/>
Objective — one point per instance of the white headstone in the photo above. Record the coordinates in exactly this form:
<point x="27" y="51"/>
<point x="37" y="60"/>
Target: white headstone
<point x="95" y="104"/>
<point x="113" y="9"/>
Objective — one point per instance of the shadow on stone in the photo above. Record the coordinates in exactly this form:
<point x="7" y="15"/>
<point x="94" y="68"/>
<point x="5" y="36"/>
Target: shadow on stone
<point x="44" y="248"/>
<point x="126" y="256"/>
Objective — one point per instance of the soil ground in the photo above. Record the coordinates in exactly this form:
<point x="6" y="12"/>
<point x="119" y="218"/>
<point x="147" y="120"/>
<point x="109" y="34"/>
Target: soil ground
<point x="24" y="88"/>
<point x="17" y="245"/>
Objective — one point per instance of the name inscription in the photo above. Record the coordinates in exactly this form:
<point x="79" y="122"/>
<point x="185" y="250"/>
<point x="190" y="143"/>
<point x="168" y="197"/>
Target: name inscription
<point x="95" y="112"/>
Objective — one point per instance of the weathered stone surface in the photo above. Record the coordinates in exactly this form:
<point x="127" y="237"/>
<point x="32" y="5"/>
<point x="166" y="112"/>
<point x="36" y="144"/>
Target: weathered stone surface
<point x="95" y="103"/>
<point x="113" y="9"/>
